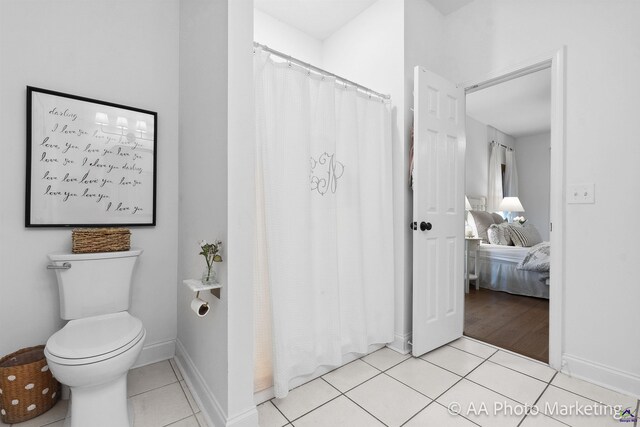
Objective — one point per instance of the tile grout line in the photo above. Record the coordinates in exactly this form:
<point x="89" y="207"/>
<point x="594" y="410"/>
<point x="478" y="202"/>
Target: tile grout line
<point x="416" y="414"/>
<point x="152" y="389"/>
<point x="520" y="372"/>
<point x="310" y="411"/>
<point x="358" y="405"/>
<point x="585" y="397"/>
<point x="356" y="386"/>
<point x="459" y="381"/>
<point x="353" y="401"/>
<point x="390" y="367"/>
<point x="177" y="421"/>
<point x="449" y="388"/>
<point x="278" y="409"/>
<point x="184" y="393"/>
<point x="495" y="350"/>
<point x="444" y="392"/>
<point x="538" y="399"/>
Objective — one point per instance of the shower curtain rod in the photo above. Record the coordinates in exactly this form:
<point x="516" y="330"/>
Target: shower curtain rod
<point x="320" y="71"/>
<point x="501" y="145"/>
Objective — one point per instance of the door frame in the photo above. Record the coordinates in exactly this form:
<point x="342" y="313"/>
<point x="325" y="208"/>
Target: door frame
<point x="556" y="60"/>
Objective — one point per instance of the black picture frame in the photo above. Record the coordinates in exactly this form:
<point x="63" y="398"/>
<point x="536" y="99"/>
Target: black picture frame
<point x="87" y="165"/>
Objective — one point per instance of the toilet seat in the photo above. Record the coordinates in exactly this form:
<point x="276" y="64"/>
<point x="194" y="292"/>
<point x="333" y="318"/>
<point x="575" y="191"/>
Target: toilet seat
<point x="94" y="339"/>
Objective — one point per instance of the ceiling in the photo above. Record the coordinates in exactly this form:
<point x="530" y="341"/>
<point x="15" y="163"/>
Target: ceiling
<point x="318" y="18"/>
<point x="446" y="7"/>
<point x="517" y="107"/>
<point x="321" y="18"/>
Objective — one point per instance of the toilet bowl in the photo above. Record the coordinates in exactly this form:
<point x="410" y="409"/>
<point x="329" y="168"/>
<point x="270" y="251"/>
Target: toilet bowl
<point x="94" y="351"/>
<point x="92" y="356"/>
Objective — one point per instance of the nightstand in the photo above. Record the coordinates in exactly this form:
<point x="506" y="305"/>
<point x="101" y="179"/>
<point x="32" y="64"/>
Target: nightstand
<point x="471" y="244"/>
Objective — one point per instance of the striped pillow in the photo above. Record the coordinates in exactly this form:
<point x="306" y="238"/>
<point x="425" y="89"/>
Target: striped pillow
<point x="524" y="236"/>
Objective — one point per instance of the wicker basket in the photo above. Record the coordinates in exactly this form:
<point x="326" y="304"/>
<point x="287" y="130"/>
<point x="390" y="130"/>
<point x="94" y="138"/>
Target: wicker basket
<point x="87" y="240"/>
<point x="27" y="387"/>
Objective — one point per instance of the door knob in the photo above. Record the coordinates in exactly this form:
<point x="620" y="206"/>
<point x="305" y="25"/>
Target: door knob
<point x="413" y="225"/>
<point x="425" y="226"/>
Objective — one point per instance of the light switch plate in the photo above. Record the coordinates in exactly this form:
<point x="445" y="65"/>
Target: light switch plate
<point x="581" y="193"/>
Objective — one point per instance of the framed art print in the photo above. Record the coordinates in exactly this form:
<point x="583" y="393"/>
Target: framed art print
<point x="89" y="163"/>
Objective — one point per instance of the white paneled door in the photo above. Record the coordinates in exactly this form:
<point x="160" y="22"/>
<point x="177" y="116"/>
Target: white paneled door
<point x="438" y="211"/>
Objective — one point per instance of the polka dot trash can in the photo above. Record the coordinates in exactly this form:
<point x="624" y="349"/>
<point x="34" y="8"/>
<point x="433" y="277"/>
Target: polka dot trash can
<point x="27" y="388"/>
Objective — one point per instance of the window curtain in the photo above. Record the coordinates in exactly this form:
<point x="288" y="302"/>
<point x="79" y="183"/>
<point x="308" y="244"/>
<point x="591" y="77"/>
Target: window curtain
<point x="325" y="243"/>
<point x="510" y="175"/>
<point x="494" y="195"/>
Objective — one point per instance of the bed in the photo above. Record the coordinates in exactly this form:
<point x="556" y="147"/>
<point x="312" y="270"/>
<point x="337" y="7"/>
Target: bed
<point x="509" y="268"/>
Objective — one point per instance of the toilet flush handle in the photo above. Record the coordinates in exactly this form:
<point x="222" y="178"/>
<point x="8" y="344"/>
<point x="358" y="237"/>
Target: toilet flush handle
<point x="64" y="266"/>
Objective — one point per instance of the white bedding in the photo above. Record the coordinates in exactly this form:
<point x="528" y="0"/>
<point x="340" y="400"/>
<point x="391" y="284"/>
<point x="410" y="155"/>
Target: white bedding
<point x="498" y="271"/>
<point x="502" y="253"/>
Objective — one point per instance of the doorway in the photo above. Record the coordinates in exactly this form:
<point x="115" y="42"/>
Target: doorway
<point x="507" y="169"/>
<point x="427" y="117"/>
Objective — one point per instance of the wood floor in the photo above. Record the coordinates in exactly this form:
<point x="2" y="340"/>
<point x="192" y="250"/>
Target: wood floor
<point x="514" y="322"/>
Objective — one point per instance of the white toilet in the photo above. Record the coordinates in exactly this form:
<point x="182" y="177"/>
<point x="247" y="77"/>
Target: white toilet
<point x="94" y="351"/>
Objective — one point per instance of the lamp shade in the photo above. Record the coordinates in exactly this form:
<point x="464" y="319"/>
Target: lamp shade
<point x="467" y="205"/>
<point x="511" y="204"/>
<point x="122" y="122"/>
<point x="141" y="125"/>
<point x="102" y="119"/>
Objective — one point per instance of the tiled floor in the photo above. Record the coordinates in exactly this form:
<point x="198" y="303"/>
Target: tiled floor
<point x="159" y="395"/>
<point x="386" y="388"/>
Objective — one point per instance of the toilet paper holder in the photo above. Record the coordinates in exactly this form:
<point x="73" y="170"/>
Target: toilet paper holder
<point x="197" y="286"/>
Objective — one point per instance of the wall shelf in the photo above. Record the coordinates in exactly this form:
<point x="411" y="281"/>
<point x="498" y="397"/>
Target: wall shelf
<point x="197" y="286"/>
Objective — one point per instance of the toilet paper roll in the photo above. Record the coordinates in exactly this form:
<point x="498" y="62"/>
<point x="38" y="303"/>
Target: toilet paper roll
<point x="200" y="307"/>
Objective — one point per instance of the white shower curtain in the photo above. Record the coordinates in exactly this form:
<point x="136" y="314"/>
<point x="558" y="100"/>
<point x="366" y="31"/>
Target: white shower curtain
<point x="510" y="175"/>
<point x="494" y="195"/>
<point x="325" y="243"/>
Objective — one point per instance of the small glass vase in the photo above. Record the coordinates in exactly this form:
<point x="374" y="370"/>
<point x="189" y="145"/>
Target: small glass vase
<point x="208" y="276"/>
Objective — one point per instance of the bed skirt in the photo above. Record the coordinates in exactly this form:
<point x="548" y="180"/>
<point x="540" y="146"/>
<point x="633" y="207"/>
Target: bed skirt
<point x="504" y="276"/>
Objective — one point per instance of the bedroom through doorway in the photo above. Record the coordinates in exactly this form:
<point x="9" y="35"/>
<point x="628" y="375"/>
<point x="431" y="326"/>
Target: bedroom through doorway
<point x="507" y="219"/>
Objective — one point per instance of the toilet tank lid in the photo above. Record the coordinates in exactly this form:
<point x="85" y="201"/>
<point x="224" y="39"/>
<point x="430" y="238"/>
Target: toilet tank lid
<point x="67" y="256"/>
<point x="94" y="336"/>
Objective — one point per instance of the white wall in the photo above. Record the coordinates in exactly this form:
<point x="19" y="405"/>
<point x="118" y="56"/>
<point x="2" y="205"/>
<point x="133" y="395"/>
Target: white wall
<point x="202" y="342"/>
<point x="423" y="28"/>
<point x="241" y="214"/>
<point x="533" y="158"/>
<point x="477" y="159"/>
<point x="216" y="158"/>
<point x="370" y="50"/>
<point x="602" y="101"/>
<point x="111" y="51"/>
<point x="286" y="39"/>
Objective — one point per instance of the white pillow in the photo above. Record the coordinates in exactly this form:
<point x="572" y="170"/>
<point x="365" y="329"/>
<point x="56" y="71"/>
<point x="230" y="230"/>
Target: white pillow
<point x="482" y="220"/>
<point x="499" y="234"/>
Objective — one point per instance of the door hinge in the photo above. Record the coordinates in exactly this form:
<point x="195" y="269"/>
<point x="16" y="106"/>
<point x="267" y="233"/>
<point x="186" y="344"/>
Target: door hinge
<point x="550" y="226"/>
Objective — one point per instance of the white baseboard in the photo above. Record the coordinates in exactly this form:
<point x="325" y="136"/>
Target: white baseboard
<point x="155" y="353"/>
<point x="605" y="376"/>
<point x="211" y="409"/>
<point x="401" y="343"/>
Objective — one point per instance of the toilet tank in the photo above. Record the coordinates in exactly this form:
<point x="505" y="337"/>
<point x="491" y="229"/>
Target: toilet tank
<point x="96" y="283"/>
